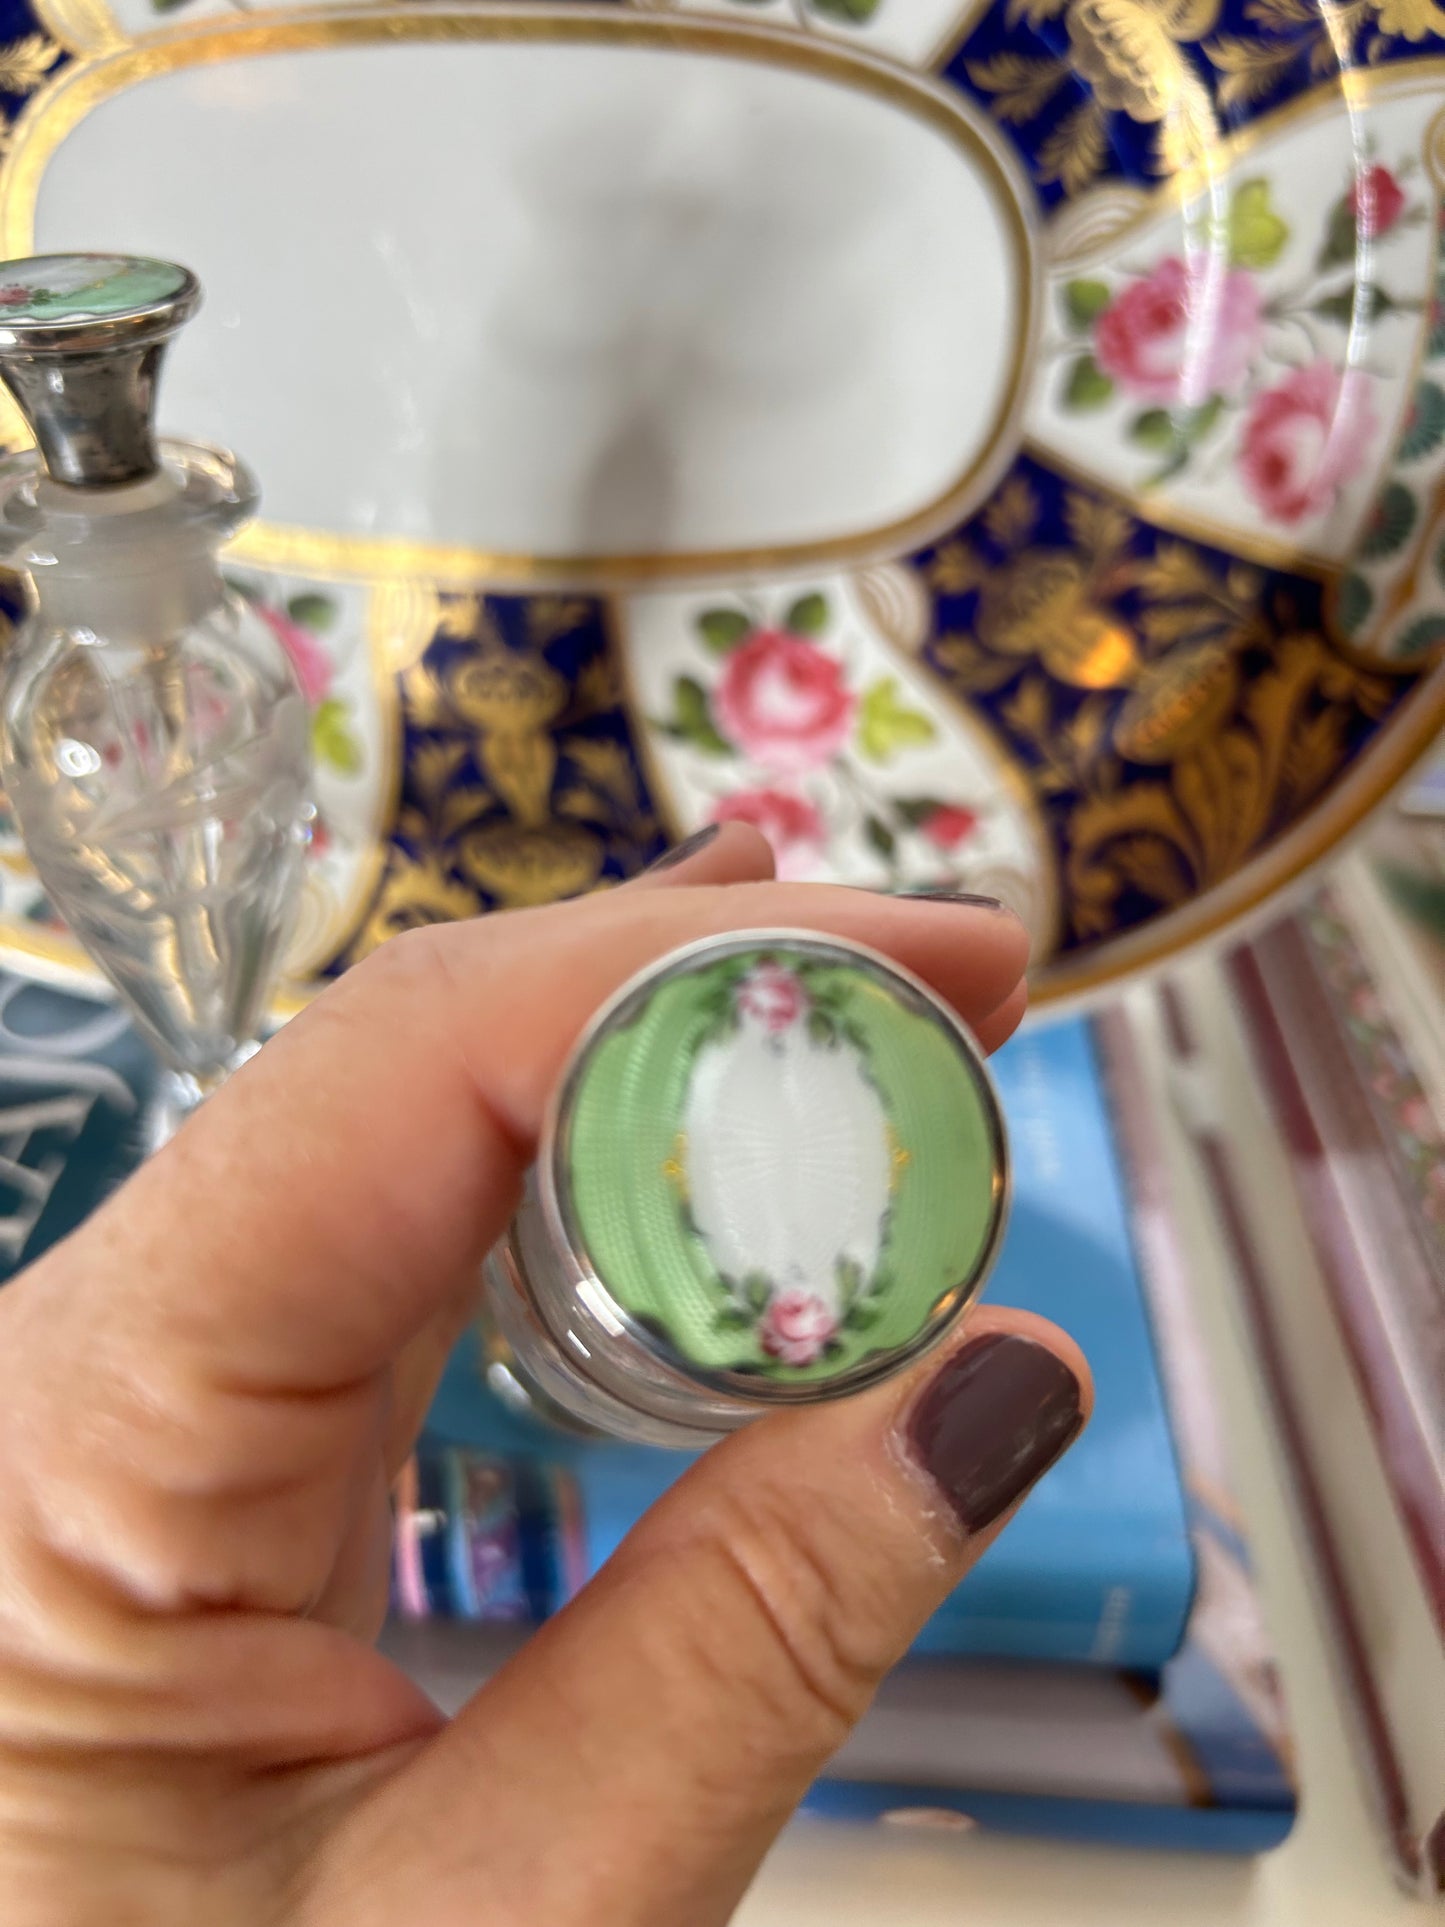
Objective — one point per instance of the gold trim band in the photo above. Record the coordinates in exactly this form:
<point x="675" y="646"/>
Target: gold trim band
<point x="58" y="109"/>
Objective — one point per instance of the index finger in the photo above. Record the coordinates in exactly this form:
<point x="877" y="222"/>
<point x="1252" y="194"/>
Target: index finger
<point x="314" y="1215"/>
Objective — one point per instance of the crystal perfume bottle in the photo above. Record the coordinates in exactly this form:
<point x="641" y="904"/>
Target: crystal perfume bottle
<point x="153" y="737"/>
<point x="775" y="1172"/>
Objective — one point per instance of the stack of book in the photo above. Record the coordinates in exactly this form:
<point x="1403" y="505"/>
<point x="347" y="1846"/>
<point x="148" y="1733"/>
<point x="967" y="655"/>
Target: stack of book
<point x="1312" y="1069"/>
<point x="1103" y="1674"/>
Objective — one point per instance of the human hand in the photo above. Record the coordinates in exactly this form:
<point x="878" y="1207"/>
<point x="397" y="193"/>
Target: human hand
<point x="204" y="1396"/>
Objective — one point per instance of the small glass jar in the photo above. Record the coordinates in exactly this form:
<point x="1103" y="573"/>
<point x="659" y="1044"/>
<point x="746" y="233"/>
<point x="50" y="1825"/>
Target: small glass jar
<point x="775" y="1172"/>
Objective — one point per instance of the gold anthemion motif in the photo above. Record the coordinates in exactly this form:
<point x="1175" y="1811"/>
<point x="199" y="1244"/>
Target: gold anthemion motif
<point x="415" y="891"/>
<point x="512" y="801"/>
<point x="522" y="867"/>
<point x="1132" y="55"/>
<point x="1330" y="37"/>
<point x="1240" y="758"/>
<point x="24" y="63"/>
<point x="1226" y="789"/>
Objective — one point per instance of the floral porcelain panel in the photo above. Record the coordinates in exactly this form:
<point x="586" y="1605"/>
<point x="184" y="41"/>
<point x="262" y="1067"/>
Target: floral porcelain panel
<point x="993" y="447"/>
<point x="1222" y="362"/>
<point x="792" y="707"/>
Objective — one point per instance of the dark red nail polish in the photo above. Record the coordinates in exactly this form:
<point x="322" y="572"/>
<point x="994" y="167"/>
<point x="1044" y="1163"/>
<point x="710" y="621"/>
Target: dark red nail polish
<point x="689" y="846"/>
<point x="967" y="897"/>
<point x="991" y="1421"/>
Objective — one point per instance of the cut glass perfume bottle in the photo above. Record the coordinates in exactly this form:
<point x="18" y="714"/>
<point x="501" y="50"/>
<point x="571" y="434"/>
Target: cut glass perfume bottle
<point x="153" y="738"/>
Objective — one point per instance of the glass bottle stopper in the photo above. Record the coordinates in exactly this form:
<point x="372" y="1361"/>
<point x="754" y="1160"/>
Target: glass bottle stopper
<point x="81" y="340"/>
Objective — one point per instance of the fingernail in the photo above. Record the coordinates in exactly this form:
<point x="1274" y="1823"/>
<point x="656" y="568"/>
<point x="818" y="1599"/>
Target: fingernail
<point x="993" y="1420"/>
<point x="680" y="852"/>
<point x="957" y="896"/>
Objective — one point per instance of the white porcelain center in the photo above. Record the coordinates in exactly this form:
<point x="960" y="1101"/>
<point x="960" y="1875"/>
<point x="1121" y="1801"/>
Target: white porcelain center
<point x="557" y="299"/>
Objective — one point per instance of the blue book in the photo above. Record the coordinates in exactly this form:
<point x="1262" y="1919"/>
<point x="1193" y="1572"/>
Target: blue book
<point x="1098" y="1567"/>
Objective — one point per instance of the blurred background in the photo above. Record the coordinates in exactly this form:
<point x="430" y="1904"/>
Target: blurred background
<point x="986" y="447"/>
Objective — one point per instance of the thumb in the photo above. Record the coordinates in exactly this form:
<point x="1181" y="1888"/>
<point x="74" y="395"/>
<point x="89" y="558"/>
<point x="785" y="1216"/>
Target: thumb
<point x="634" y="1762"/>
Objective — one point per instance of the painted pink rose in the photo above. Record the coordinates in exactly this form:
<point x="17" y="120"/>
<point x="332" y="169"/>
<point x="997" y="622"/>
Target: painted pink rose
<point x="948" y="826"/>
<point x="792" y="825"/>
<point x="1365" y="1004"/>
<point x="772" y="997"/>
<point x="797" y="1327"/>
<point x="1377" y="201"/>
<point x="307" y="656"/>
<point x="1182" y="333"/>
<point x="783" y="701"/>
<point x="15" y="297"/>
<point x="1304" y="438"/>
<point x="1419" y="1119"/>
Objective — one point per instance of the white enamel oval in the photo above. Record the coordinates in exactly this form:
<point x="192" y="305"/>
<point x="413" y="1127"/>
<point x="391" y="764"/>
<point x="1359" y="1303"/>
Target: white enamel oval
<point x="787" y="1158"/>
<point x="578" y="296"/>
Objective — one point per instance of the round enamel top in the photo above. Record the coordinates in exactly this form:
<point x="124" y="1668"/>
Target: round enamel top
<point x="782" y="1160"/>
<point x="54" y="289"/>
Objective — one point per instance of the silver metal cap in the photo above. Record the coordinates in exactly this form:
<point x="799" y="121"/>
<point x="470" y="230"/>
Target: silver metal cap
<point x="81" y="339"/>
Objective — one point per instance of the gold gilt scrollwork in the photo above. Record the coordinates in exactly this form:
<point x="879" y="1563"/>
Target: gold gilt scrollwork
<point x="25" y="65"/>
<point x="511" y="700"/>
<point x="1132" y="54"/>
<point x="1158" y="646"/>
<point x="508" y="799"/>
<point x="1227" y="789"/>
<point x="520" y="866"/>
<point x="1136" y="58"/>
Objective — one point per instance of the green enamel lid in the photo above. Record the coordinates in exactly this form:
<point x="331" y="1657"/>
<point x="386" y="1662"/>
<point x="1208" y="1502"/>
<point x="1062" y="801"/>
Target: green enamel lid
<point x="56" y="290"/>
<point x="780" y="1160"/>
<point x="81" y="338"/>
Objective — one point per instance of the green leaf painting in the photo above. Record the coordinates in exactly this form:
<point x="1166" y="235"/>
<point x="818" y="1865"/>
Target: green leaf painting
<point x="855" y="13"/>
<point x="691" y="720"/>
<point x="332" y="742"/>
<point x="723" y="629"/>
<point x="886" y="724"/>
<point x="1425" y="424"/>
<point x="1257" y="234"/>
<point x="1154" y="429"/>
<point x="1086" y="385"/>
<point x="1084" y="301"/>
<point x="1391" y="523"/>
<point x="312" y="611"/>
<point x="808" y="615"/>
<point x="880" y="836"/>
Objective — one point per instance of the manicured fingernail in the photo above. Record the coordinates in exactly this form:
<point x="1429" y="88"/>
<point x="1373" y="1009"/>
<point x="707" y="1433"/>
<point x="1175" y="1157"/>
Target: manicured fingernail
<point x="689" y="846"/>
<point x="957" y="896"/>
<point x="992" y="1421"/>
